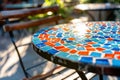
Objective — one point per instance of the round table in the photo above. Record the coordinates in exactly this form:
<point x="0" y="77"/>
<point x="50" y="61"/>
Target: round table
<point x="89" y="46"/>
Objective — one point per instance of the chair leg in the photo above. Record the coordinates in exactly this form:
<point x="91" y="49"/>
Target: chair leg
<point x="100" y="77"/>
<point x="82" y="75"/>
<point x="21" y="63"/>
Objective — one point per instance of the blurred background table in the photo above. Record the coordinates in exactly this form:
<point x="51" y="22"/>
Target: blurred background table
<point x="92" y="8"/>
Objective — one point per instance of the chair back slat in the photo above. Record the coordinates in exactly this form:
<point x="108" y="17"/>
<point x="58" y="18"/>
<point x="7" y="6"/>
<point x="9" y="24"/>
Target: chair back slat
<point x="5" y="15"/>
<point x="28" y="24"/>
<point x="25" y="12"/>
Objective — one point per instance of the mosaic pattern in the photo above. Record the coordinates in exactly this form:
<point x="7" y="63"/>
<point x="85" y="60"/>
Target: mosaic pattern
<point x="91" y="42"/>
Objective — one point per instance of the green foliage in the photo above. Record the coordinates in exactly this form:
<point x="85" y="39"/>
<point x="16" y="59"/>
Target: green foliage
<point x="54" y="2"/>
<point x="64" y="11"/>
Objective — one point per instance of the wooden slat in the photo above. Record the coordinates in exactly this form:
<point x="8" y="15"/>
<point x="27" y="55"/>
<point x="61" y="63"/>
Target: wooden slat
<point x="57" y="73"/>
<point x="61" y="75"/>
<point x="28" y="24"/>
<point x="69" y="74"/>
<point x="26" y="12"/>
<point x="72" y="77"/>
<point x="2" y="22"/>
<point x="88" y="75"/>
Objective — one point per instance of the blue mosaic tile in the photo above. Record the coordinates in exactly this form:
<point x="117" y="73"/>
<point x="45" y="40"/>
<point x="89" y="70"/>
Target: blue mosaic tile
<point x="94" y="39"/>
<point x="40" y="45"/>
<point x="36" y="40"/>
<point x="60" y="30"/>
<point x="100" y="33"/>
<point x="62" y="54"/>
<point x="116" y="62"/>
<point x="102" y="62"/>
<point x="116" y="49"/>
<point x="117" y="40"/>
<point x="107" y="36"/>
<point x="95" y="54"/>
<point x="67" y="44"/>
<point x="107" y="51"/>
<point x="57" y="44"/>
<point x="52" y="36"/>
<point x="50" y="32"/>
<point x="59" y="35"/>
<point x="40" y="31"/>
<point x="43" y="41"/>
<point x="102" y="37"/>
<point x="96" y="45"/>
<point x="71" y="47"/>
<point x="36" y="35"/>
<point x="52" y="51"/>
<point x="106" y="46"/>
<point x="88" y="40"/>
<point x="86" y="59"/>
<point x="80" y="48"/>
<point x="101" y="41"/>
<point x="46" y="48"/>
<point x="73" y="57"/>
<point x="95" y="36"/>
<point x="69" y="41"/>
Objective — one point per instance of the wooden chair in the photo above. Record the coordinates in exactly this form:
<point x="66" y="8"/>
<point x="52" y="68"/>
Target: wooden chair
<point x="10" y="27"/>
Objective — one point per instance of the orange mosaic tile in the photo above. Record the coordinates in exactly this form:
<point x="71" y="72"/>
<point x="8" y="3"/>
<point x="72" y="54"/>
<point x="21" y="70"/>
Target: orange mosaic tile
<point x="71" y="39"/>
<point x="62" y="42"/>
<point x="83" y="52"/>
<point x="100" y="49"/>
<point x="109" y="56"/>
<point x="66" y="29"/>
<point x="50" y="44"/>
<point x="88" y="30"/>
<point x="110" y="39"/>
<point x="118" y="57"/>
<point x="118" y="32"/>
<point x="59" y="47"/>
<point x="117" y="52"/>
<point x="48" y="39"/>
<point x="90" y="49"/>
<point x="64" y="49"/>
<point x="73" y="51"/>
<point x="97" y="31"/>
<point x="88" y="46"/>
<point x="91" y="42"/>
<point x="79" y="45"/>
<point x="54" y="40"/>
<point x="46" y="36"/>
<point x="54" y="29"/>
<point x="87" y="36"/>
<point x="41" y="35"/>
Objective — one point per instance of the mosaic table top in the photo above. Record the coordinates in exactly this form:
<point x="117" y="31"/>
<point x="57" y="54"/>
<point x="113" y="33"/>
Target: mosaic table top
<point x="96" y="43"/>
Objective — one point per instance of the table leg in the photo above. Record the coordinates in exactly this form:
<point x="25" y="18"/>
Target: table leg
<point x="82" y="75"/>
<point x="92" y="17"/>
<point x="100" y="77"/>
<point x="99" y="15"/>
